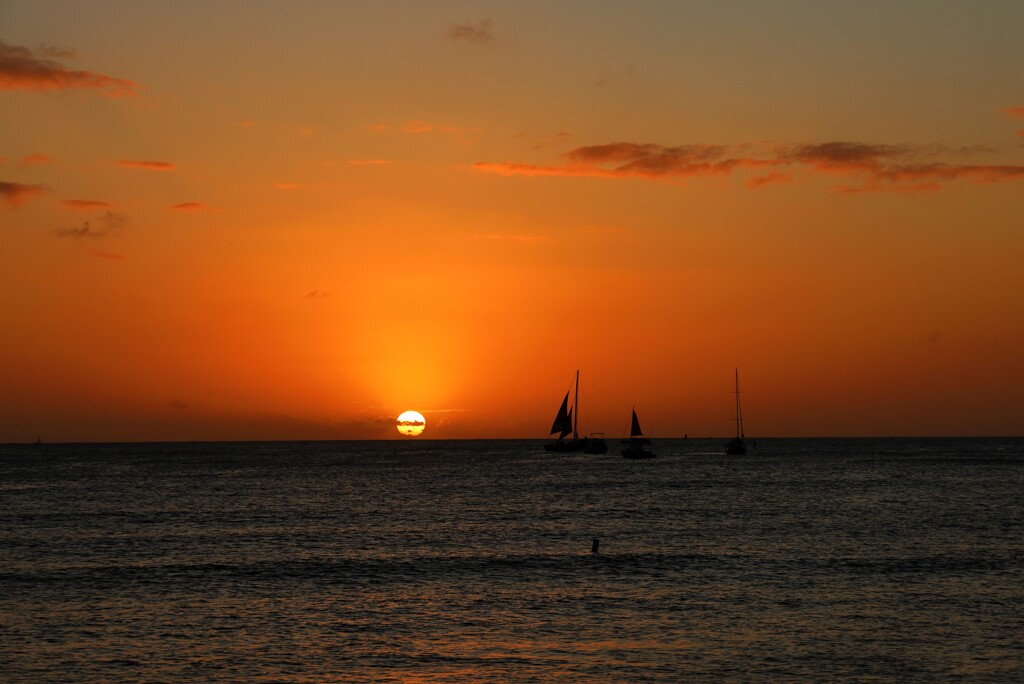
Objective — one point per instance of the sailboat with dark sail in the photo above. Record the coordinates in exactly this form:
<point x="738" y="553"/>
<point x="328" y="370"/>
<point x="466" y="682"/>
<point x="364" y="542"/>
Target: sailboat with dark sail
<point x="636" y="442"/>
<point x="737" y="446"/>
<point x="566" y="423"/>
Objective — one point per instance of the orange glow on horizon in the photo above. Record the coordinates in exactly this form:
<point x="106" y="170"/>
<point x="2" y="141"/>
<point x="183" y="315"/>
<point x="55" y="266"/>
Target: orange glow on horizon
<point x="250" y="248"/>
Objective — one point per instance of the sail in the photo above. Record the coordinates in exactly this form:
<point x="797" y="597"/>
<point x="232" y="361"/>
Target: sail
<point x="634" y="429"/>
<point x="563" y="419"/>
<point x="739" y="410"/>
<point x="567" y="428"/>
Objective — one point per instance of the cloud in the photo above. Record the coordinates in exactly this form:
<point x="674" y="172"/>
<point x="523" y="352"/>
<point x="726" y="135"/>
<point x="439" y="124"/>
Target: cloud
<point x="21" y="70"/>
<point x="1014" y="112"/>
<point x="370" y="162"/>
<point x="317" y="294"/>
<point x="15" y="194"/>
<point x="57" y="52"/>
<point x="104" y="225"/>
<point x="413" y="423"/>
<point x="146" y="165"/>
<point x="35" y="158"/>
<point x="558" y="139"/>
<point x="874" y="167"/>
<point x="417" y="127"/>
<point x="480" y="32"/>
<point x="769" y="179"/>
<point x="287" y="186"/>
<point x="189" y="206"/>
<point x="86" y="205"/>
<point x="844" y="156"/>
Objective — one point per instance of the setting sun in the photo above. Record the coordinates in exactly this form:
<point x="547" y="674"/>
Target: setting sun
<point x="411" y="423"/>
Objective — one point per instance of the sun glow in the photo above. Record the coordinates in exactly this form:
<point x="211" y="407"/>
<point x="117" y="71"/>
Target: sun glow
<point x="411" y="423"/>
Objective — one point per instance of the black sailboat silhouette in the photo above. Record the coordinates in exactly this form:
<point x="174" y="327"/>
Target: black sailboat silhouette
<point x="737" y="446"/>
<point x="566" y="423"/>
<point x="635" y="443"/>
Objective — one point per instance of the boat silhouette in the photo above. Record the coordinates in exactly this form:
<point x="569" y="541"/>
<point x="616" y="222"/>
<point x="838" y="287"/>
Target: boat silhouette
<point x="636" y="442"/>
<point x="566" y="423"/>
<point x="737" y="446"/>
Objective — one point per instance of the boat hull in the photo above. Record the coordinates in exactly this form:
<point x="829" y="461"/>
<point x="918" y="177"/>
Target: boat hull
<point x="736" y="447"/>
<point x="564" y="446"/>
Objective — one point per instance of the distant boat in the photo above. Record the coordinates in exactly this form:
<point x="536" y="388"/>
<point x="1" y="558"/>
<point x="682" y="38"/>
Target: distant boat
<point x="566" y="421"/>
<point x="737" y="446"/>
<point x="596" y="444"/>
<point x="635" y="443"/>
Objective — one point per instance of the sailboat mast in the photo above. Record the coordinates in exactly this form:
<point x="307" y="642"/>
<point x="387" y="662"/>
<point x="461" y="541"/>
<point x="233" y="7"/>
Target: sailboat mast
<point x="739" y="411"/>
<point x="576" y="416"/>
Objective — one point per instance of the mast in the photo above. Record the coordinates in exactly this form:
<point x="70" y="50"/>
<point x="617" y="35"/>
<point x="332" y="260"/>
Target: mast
<point x="739" y="411"/>
<point x="576" y="416"/>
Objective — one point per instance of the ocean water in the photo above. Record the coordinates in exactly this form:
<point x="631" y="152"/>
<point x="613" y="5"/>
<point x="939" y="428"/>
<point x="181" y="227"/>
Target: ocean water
<point x="806" y="560"/>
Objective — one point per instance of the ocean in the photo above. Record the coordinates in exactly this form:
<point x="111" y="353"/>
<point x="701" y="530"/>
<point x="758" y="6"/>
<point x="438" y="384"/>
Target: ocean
<point x="470" y="561"/>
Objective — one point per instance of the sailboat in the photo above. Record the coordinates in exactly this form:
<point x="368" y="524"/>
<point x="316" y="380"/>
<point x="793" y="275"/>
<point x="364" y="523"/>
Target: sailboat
<point x="566" y="421"/>
<point x="737" y="446"/>
<point x="635" y="443"/>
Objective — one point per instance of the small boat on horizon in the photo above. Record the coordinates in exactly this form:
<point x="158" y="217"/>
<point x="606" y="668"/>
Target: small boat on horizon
<point x="737" y="446"/>
<point x="636" y="442"/>
<point x="566" y="423"/>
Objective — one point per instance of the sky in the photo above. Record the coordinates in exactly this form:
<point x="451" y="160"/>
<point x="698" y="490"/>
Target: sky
<point x="270" y="220"/>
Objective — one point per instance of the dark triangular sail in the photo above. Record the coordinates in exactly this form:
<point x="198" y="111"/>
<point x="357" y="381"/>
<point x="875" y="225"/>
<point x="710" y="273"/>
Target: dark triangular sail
<point x="567" y="428"/>
<point x="562" y="419"/>
<point x="634" y="429"/>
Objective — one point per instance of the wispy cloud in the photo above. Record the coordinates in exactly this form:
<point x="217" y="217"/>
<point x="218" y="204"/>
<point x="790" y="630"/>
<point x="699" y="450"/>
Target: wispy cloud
<point x="317" y="294"/>
<point x="86" y="205"/>
<point x="21" y="70"/>
<point x="370" y="162"/>
<point x="417" y="127"/>
<point x="769" y="179"/>
<point x="146" y="165"/>
<point x="35" y="158"/>
<point x="189" y="206"/>
<point x="873" y="167"/>
<point x="1014" y="112"/>
<point x="287" y="186"/>
<point x="559" y="138"/>
<point x="16" y="194"/>
<point x="472" y="32"/>
<point x="57" y="52"/>
<point x="104" y="225"/>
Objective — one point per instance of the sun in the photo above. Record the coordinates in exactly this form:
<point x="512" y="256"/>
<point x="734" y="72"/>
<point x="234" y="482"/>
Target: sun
<point x="411" y="423"/>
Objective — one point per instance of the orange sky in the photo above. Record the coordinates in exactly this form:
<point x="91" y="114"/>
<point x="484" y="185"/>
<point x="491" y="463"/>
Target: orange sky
<point x="255" y="221"/>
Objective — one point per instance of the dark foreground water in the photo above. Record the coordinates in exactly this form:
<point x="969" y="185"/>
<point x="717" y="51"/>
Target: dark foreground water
<point x="470" y="561"/>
